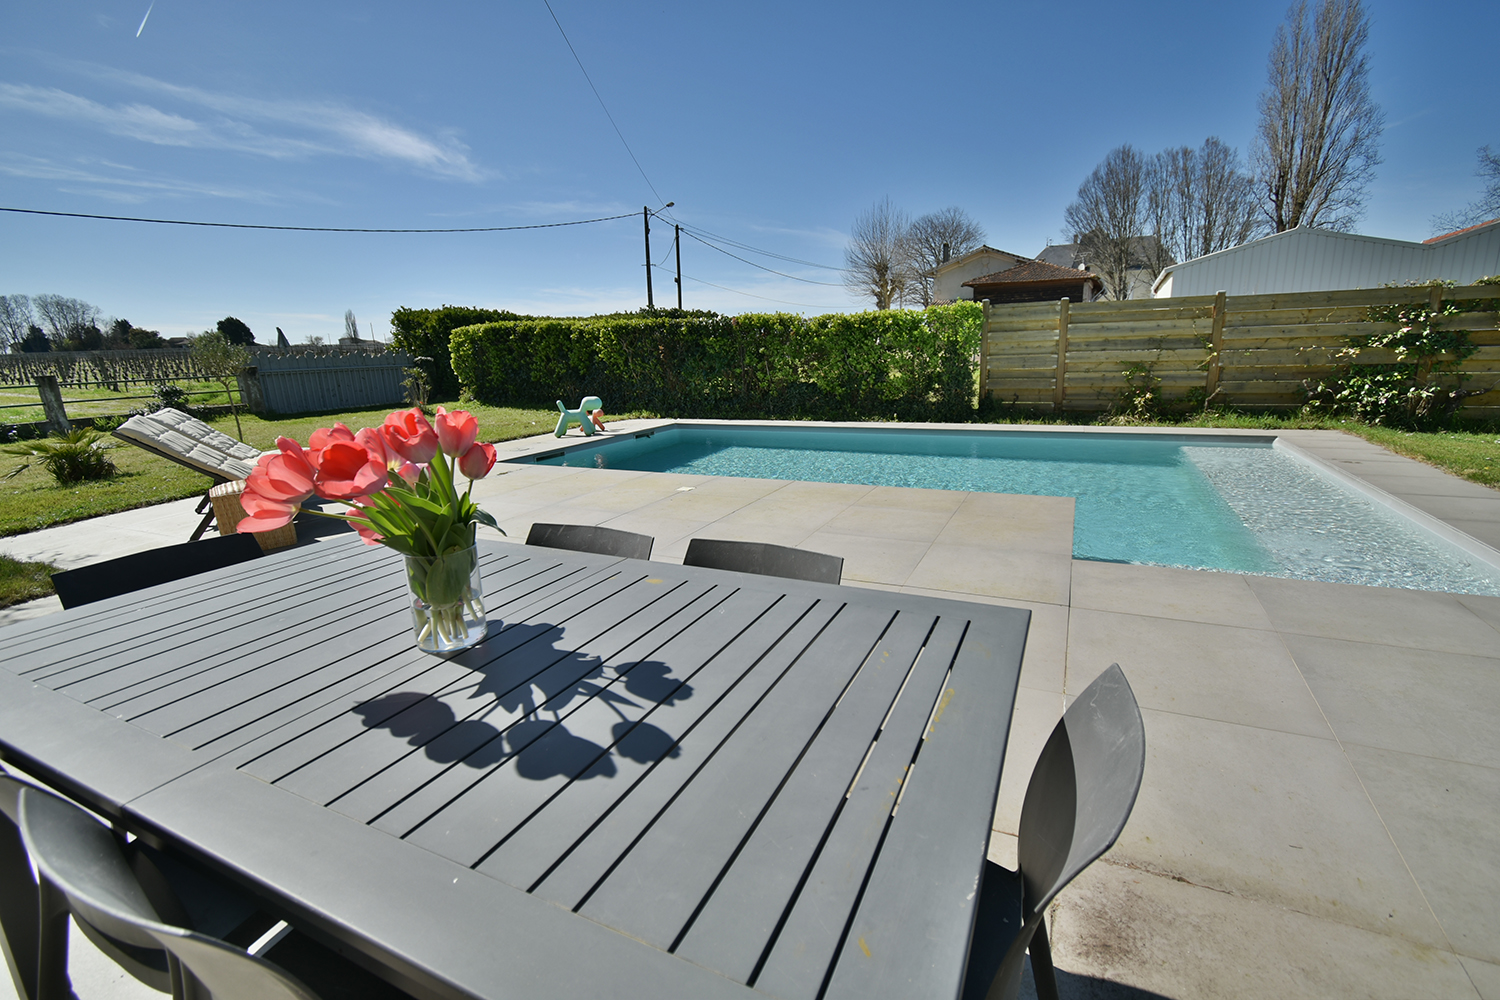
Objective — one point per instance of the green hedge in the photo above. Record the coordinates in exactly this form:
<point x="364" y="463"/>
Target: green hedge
<point x="424" y="333"/>
<point x="892" y="364"/>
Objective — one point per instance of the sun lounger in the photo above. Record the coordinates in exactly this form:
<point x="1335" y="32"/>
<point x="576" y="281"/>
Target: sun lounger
<point x="191" y="443"/>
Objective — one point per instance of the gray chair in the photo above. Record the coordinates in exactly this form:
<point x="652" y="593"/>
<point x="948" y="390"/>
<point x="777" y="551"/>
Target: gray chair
<point x="18" y="912"/>
<point x="765" y="559"/>
<point x="86" y="875"/>
<point x="591" y="538"/>
<point x="1081" y="793"/>
<point x="127" y="574"/>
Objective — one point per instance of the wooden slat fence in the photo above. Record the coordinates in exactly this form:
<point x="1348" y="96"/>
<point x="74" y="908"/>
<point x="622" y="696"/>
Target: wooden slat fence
<point x="1248" y="351"/>
<point x="309" y="383"/>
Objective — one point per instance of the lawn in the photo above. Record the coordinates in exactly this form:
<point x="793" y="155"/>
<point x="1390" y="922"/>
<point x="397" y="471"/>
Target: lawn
<point x="32" y="500"/>
<point x="23" y="581"/>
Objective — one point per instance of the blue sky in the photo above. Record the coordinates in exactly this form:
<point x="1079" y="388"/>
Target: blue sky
<point x="773" y="124"/>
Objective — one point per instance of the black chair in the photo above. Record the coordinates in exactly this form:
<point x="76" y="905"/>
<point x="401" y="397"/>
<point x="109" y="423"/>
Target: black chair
<point x="117" y="895"/>
<point x="114" y="577"/>
<point x="1081" y="793"/>
<point x="18" y="912"/>
<point x="591" y="538"/>
<point x="765" y="559"/>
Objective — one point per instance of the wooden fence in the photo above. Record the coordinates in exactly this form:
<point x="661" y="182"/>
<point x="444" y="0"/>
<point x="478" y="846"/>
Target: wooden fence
<point x="310" y="383"/>
<point x="1248" y="351"/>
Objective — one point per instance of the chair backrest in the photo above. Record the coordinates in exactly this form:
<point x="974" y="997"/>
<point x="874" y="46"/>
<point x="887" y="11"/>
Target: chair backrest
<point x="18" y="909"/>
<point x="188" y="441"/>
<point x="139" y="570"/>
<point x="79" y="858"/>
<point x="1082" y="789"/>
<point x="591" y="538"/>
<point x="765" y="559"/>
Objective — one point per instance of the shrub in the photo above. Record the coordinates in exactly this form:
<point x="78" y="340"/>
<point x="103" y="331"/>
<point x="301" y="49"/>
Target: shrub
<point x="425" y="333"/>
<point x="907" y="365"/>
<point x="75" y="457"/>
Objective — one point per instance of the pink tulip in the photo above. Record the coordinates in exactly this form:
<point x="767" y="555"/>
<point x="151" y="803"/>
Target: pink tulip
<point x="456" y="431"/>
<point x="362" y="525"/>
<point x="323" y="437"/>
<point x="477" y="461"/>
<point x="276" y="487"/>
<point x="346" y="469"/>
<point x="410" y="435"/>
<point x="375" y="443"/>
<point x="410" y="473"/>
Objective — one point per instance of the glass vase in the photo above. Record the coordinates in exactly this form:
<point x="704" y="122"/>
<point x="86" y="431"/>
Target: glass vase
<point x="447" y="600"/>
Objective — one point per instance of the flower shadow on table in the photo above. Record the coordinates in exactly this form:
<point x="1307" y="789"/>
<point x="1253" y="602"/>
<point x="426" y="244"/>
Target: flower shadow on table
<point x="523" y="703"/>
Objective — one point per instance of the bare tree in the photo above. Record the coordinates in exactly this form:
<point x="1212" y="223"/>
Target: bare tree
<point x="65" y="318"/>
<point x="875" y="261"/>
<point x="934" y="239"/>
<point x="1108" y="218"/>
<point x="15" y="319"/>
<point x="1483" y="210"/>
<point x="351" y="326"/>
<point x="1197" y="202"/>
<point x="1318" y="141"/>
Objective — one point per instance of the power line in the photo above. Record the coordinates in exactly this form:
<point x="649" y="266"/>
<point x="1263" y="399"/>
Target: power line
<point x="810" y="281"/>
<point x="595" y="89"/>
<point x="765" y="253"/>
<point x="314" y="229"/>
<point x="767" y="298"/>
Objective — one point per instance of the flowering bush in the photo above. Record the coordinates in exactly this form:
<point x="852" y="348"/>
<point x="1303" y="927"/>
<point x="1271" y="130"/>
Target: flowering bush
<point x="398" y="479"/>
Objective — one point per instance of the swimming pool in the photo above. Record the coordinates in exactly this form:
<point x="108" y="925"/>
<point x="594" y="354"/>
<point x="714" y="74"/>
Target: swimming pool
<point x="1239" y="504"/>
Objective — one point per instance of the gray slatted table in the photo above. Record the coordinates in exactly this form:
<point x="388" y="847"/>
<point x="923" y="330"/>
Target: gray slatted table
<point x="648" y="780"/>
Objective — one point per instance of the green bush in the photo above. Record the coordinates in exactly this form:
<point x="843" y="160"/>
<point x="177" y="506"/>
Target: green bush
<point x="75" y="457"/>
<point x="425" y="332"/>
<point x="906" y="365"/>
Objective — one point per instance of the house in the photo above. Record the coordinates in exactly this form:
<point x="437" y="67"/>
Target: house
<point x="1312" y="260"/>
<point x="1001" y="276"/>
<point x="1139" y="278"/>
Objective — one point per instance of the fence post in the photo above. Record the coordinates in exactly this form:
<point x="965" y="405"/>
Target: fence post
<point x="984" y="353"/>
<point x="1216" y="340"/>
<point x="1059" y="391"/>
<point x="250" y="395"/>
<point x="52" y="403"/>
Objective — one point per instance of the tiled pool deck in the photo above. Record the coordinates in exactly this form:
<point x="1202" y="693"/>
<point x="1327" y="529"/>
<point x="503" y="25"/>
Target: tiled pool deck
<point x="1321" y="808"/>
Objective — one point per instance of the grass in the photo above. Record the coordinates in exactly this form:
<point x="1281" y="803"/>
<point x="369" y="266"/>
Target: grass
<point x="23" y="581"/>
<point x="23" y="405"/>
<point x="32" y="500"/>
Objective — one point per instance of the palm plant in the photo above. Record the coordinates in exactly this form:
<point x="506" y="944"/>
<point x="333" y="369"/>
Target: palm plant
<point x="75" y="457"/>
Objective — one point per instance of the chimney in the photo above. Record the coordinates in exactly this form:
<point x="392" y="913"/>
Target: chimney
<point x="945" y="251"/>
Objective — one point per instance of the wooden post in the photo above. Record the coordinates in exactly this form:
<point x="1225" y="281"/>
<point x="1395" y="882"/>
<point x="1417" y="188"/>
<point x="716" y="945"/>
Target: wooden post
<point x="1435" y="300"/>
<point x="1216" y="340"/>
<point x="984" y="353"/>
<point x="52" y="404"/>
<point x="1059" y="390"/>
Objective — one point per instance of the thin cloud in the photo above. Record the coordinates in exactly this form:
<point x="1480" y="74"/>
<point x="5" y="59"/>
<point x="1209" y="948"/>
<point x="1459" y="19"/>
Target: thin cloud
<point x="276" y="129"/>
<point x="129" y="189"/>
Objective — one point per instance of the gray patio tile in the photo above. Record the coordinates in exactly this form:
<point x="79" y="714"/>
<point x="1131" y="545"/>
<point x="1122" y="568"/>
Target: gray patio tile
<point x="1235" y="675"/>
<point x="777" y="510"/>
<point x="1435" y="484"/>
<point x="1460" y="508"/>
<point x="666" y="530"/>
<point x="1035" y="717"/>
<point x="1046" y="637"/>
<point x="1486" y="977"/>
<point x="1191" y="595"/>
<point x="911" y="498"/>
<point x="1442" y="817"/>
<point x="782" y="533"/>
<point x="967" y="569"/>
<point x="1041" y="524"/>
<point x="890" y="522"/>
<point x="1120" y="925"/>
<point x="1275" y="816"/>
<point x="869" y="557"/>
<point x="1417" y="619"/>
<point x="1410" y="700"/>
<point x="1484" y="606"/>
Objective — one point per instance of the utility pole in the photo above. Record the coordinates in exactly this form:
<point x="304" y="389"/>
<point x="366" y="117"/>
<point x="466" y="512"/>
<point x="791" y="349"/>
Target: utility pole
<point x="646" y="218"/>
<point x="677" y="242"/>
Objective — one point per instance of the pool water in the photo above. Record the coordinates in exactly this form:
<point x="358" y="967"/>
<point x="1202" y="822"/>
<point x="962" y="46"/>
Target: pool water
<point x="1209" y="503"/>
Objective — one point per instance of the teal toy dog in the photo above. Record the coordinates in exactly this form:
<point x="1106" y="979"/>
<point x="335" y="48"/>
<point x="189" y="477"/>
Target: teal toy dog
<point x="584" y="416"/>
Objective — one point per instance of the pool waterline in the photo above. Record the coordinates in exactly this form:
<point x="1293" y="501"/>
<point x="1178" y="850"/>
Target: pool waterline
<point x="1242" y="502"/>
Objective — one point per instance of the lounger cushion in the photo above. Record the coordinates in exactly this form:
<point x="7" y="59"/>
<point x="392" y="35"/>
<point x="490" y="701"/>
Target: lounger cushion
<point x="190" y="441"/>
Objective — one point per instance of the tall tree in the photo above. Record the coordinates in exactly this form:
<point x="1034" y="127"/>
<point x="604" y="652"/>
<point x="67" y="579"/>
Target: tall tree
<point x="1198" y="202"/>
<point x="15" y="320"/>
<point x="1483" y="210"/>
<point x="69" y="322"/>
<point x="1318" y="141"/>
<point x="351" y="325"/>
<point x="875" y="261"/>
<point x="1108" y="218"/>
<point x="933" y="239"/>
<point x="236" y="331"/>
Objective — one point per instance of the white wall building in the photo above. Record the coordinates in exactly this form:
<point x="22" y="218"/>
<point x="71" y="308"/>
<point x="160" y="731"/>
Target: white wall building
<point x="1314" y="260"/>
<point x="948" y="278"/>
